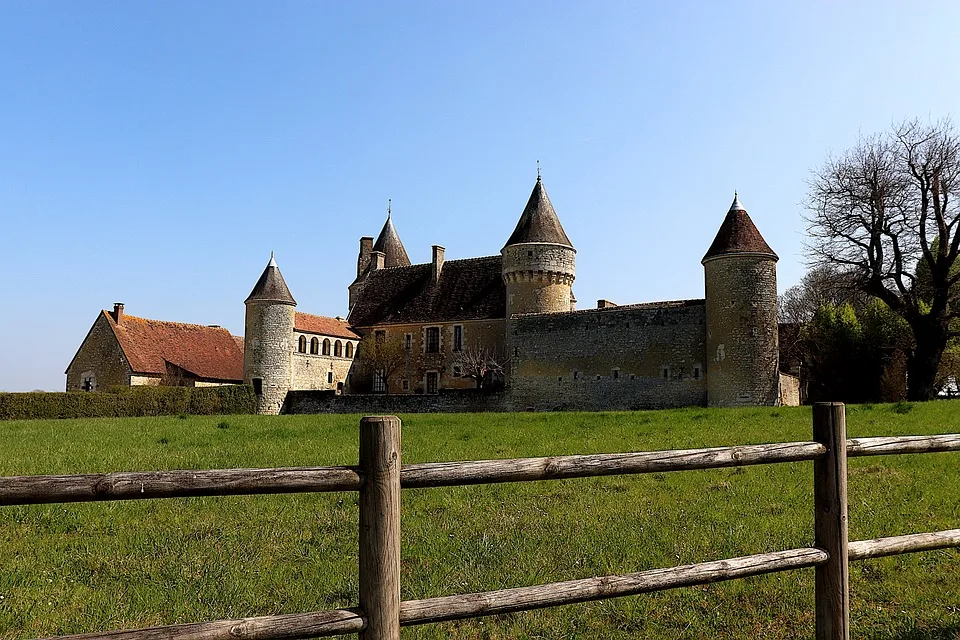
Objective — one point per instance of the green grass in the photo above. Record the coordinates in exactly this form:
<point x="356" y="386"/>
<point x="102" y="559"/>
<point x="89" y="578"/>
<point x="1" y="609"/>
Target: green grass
<point x="101" y="566"/>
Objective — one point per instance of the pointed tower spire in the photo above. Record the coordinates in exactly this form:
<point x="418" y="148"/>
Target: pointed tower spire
<point x="388" y="242"/>
<point x="271" y="286"/>
<point x="539" y="221"/>
<point x="738" y="234"/>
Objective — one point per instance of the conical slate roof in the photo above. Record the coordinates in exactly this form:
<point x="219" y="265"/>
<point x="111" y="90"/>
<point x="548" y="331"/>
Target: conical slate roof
<point x="271" y="287"/>
<point x="738" y="234"/>
<point x="389" y="243"/>
<point x="539" y="221"/>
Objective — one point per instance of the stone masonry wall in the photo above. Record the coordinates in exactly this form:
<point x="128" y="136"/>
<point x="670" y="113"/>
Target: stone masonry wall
<point x="268" y="351"/>
<point x="448" y="401"/>
<point x="630" y="357"/>
<point x="538" y="277"/>
<point x="100" y="355"/>
<point x="410" y="376"/>
<point x="742" y="343"/>
<point x="312" y="371"/>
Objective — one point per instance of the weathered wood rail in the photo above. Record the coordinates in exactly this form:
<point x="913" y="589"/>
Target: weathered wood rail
<point x="380" y="477"/>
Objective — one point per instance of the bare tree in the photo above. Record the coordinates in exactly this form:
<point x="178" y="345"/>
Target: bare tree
<point x="823" y="285"/>
<point x="885" y="208"/>
<point x="479" y="362"/>
<point x="381" y="355"/>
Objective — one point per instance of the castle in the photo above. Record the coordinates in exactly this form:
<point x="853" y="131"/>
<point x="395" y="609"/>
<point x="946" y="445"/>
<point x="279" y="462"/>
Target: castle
<point x="431" y="327"/>
<point x="507" y="322"/>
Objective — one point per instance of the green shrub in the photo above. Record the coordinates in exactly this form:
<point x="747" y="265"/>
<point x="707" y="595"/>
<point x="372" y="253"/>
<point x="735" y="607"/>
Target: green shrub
<point x="129" y="402"/>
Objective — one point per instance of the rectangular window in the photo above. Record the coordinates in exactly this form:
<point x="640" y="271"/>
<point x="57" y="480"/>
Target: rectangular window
<point x="329" y="377"/>
<point x="258" y="386"/>
<point x="696" y="373"/>
<point x="433" y="381"/>
<point x="379" y="381"/>
<point x="616" y="374"/>
<point x="432" y="343"/>
<point x="458" y="337"/>
<point x="665" y="372"/>
<point x="407" y="341"/>
<point x="457" y="371"/>
<point x="405" y="384"/>
<point x="576" y="375"/>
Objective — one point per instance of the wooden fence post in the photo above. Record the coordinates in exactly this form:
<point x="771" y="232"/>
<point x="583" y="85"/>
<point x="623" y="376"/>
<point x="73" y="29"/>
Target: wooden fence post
<point x="830" y="522"/>
<point x="380" y="527"/>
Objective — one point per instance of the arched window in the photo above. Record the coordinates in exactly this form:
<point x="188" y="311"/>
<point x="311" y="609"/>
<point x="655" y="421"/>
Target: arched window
<point x="314" y="346"/>
<point x="338" y="349"/>
<point x="302" y="344"/>
<point x="326" y="346"/>
<point x="349" y="352"/>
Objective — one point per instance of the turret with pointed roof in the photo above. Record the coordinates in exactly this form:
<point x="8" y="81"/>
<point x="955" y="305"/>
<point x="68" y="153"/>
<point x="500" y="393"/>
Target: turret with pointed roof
<point x="740" y="278"/>
<point x="268" y="339"/>
<point x="388" y="243"/>
<point x="539" y="261"/>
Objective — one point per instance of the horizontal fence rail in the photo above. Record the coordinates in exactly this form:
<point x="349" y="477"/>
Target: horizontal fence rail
<point x="380" y="476"/>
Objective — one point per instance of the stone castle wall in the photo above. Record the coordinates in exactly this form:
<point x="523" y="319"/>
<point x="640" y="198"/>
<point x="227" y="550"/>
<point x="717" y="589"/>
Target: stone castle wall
<point x="99" y="355"/>
<point x="742" y="344"/>
<point x="268" y="352"/>
<point x="538" y="277"/>
<point x="447" y="401"/>
<point x="318" y="372"/>
<point x="631" y="357"/>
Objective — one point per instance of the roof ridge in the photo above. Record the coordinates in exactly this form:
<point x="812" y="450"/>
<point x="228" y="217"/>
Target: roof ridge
<point x="634" y="305"/>
<point x="127" y="316"/>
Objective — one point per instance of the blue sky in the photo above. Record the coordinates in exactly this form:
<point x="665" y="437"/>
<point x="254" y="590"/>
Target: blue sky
<point x="156" y="152"/>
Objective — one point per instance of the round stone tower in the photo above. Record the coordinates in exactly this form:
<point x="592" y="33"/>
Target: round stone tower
<point x="539" y="262"/>
<point x="268" y="339"/>
<point x="740" y="277"/>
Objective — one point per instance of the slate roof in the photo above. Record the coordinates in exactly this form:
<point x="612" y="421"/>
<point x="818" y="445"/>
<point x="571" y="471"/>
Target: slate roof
<point x="469" y="289"/>
<point x="389" y="243"/>
<point x="738" y="234"/>
<point x="539" y="221"/>
<point x="206" y="352"/>
<point x="271" y="287"/>
<point x="323" y="325"/>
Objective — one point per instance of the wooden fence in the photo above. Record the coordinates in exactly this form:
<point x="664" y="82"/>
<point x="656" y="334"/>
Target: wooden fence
<point x="380" y="477"/>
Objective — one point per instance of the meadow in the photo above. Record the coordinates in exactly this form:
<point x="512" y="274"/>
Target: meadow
<point x="71" y="568"/>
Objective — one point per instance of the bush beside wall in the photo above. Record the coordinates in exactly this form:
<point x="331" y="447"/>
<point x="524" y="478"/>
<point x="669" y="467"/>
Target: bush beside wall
<point x="128" y="402"/>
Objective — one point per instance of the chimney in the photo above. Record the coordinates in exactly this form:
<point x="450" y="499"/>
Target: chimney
<point x="605" y="304"/>
<point x="366" y="246"/>
<point x="438" y="252"/>
<point x="117" y="312"/>
<point x="376" y="260"/>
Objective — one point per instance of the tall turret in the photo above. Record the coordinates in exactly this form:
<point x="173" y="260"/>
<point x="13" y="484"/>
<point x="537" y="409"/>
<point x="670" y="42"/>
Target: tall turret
<point x="268" y="339"/>
<point x="740" y="277"/>
<point x="539" y="262"/>
<point x="393" y="255"/>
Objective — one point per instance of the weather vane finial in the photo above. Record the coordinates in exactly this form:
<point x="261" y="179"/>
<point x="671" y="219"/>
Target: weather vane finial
<point x="389" y="207"/>
<point x="538" y="171"/>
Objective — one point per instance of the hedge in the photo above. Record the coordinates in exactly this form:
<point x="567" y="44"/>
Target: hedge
<point x="129" y="402"/>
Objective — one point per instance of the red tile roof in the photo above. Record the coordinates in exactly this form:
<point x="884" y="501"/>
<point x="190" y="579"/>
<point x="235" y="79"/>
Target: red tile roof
<point x="738" y="234"/>
<point x="206" y="352"/>
<point x="323" y="325"/>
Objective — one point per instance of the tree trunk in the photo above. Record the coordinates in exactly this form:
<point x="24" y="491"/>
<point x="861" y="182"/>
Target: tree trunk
<point x="924" y="362"/>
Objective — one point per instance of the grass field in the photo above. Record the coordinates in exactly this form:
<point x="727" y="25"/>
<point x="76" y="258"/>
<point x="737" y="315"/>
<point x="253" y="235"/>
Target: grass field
<point x="100" y="566"/>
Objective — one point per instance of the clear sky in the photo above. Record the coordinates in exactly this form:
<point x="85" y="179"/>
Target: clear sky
<point x="154" y="153"/>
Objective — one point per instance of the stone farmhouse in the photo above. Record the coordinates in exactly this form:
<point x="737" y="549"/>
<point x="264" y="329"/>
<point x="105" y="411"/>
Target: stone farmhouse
<point x="426" y="325"/>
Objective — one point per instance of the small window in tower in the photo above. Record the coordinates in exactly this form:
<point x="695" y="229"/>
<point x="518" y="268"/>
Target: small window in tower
<point x="598" y="376"/>
<point x="338" y="349"/>
<point x="258" y="386"/>
<point x="314" y="346"/>
<point x="432" y="340"/>
<point x="329" y="377"/>
<point x="529" y="254"/>
<point x="616" y="374"/>
<point x="576" y="375"/>
<point x="407" y="341"/>
<point x="458" y="337"/>
<point x="348" y="352"/>
<point x="665" y="372"/>
<point x="326" y="346"/>
<point x="302" y="344"/>
<point x="696" y="373"/>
